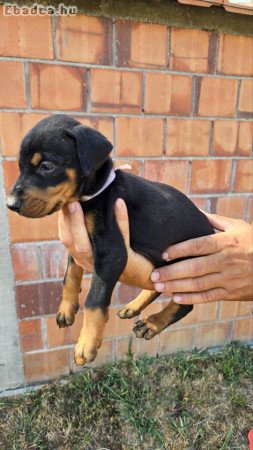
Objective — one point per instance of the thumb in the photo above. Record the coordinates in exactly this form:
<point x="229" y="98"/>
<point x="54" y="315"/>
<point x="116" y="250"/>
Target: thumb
<point x="221" y="223"/>
<point x="122" y="220"/>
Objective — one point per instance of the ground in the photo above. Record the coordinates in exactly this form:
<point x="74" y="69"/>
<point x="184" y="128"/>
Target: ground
<point x="190" y="401"/>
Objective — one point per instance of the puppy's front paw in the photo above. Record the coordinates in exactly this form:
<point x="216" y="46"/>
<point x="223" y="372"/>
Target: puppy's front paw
<point x="127" y="313"/>
<point x="66" y="314"/>
<point x="85" y="353"/>
<point x="145" y="329"/>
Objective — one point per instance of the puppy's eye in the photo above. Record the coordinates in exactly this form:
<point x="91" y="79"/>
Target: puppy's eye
<point x="47" y="166"/>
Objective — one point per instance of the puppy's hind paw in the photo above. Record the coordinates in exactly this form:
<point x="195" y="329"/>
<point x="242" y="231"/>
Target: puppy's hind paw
<point x="145" y="329"/>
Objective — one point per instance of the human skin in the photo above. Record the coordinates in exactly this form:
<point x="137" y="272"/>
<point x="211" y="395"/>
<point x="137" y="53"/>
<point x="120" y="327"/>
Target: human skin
<point x="221" y="267"/>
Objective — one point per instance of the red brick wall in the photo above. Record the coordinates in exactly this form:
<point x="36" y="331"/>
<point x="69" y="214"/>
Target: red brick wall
<point x="176" y="103"/>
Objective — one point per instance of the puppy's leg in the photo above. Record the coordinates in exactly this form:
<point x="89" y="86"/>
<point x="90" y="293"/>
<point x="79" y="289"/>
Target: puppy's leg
<point x="71" y="289"/>
<point x="155" y="323"/>
<point x="108" y="265"/>
<point x="134" y="307"/>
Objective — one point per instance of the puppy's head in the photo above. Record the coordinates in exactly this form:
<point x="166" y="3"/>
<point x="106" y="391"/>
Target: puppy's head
<point x="57" y="156"/>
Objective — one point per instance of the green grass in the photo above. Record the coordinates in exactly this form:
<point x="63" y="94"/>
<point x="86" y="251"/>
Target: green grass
<point x="189" y="401"/>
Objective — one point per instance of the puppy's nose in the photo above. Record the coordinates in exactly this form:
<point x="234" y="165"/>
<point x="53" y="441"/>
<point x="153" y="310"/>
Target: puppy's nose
<point x="13" y="203"/>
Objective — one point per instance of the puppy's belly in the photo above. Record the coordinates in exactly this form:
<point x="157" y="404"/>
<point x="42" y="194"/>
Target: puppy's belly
<point x="137" y="271"/>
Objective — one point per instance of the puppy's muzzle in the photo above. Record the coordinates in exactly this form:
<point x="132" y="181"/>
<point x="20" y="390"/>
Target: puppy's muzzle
<point x="14" y="203"/>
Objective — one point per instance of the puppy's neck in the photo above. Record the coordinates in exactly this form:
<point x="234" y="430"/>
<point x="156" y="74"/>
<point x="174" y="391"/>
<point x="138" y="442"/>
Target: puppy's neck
<point x="98" y="180"/>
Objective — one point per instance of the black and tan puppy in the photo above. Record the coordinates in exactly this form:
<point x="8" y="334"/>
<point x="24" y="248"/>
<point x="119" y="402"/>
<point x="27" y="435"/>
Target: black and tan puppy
<point x="62" y="161"/>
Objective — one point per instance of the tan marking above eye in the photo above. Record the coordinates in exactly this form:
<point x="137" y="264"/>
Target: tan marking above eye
<point x="36" y="159"/>
<point x="71" y="173"/>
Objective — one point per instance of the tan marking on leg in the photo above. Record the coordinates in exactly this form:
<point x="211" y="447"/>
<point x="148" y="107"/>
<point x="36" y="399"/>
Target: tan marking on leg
<point x="70" y="301"/>
<point x="91" y="336"/>
<point x="36" y="159"/>
<point x="89" y="222"/>
<point x="155" y="323"/>
<point x="137" y="271"/>
<point x="134" y="308"/>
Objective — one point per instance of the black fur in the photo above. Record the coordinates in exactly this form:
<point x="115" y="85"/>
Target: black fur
<point x="159" y="215"/>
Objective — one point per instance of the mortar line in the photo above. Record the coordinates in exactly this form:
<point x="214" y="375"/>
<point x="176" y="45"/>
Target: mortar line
<point x="124" y="69"/>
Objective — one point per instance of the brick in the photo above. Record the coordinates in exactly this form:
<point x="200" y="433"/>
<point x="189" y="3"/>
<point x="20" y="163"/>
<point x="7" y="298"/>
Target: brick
<point x="242" y="47"/>
<point x="11" y="173"/>
<point x="249" y="212"/>
<point x="245" y="138"/>
<point x="243" y="330"/>
<point x="228" y="206"/>
<point x="201" y="313"/>
<point x="53" y="259"/>
<point x="116" y="91"/>
<point x="104" y="356"/>
<point x="102" y="124"/>
<point x="140" y="136"/>
<point x="56" y="337"/>
<point x="138" y="347"/>
<point x="84" y="39"/>
<point x="23" y="229"/>
<point x="176" y="340"/>
<point x="44" y="366"/>
<point x="232" y="138"/>
<point x="116" y="326"/>
<point x="192" y="50"/>
<point x="30" y="335"/>
<point x="58" y="87"/>
<point x="186" y="137"/>
<point x="246" y="99"/>
<point x="173" y="173"/>
<point x="125" y="293"/>
<point x="168" y="94"/>
<point x="25" y="262"/>
<point x="21" y="36"/>
<point x="200" y="202"/>
<point x="38" y="298"/>
<point x="210" y="176"/>
<point x="21" y="123"/>
<point x="135" y="166"/>
<point x="155" y="307"/>
<point x="243" y="176"/>
<point x="230" y="310"/>
<point x="225" y="137"/>
<point x="214" y="334"/>
<point x="215" y="96"/>
<point x="141" y="44"/>
<point x="12" y="85"/>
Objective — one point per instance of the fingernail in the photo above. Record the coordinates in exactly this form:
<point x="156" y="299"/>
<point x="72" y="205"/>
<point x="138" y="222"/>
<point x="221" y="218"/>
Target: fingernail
<point x="177" y="298"/>
<point x="159" y="287"/>
<point x="165" y="256"/>
<point x="119" y="203"/>
<point x="71" y="207"/>
<point x="155" y="276"/>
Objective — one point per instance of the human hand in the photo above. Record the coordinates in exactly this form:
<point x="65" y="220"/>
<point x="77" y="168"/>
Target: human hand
<point x="221" y="267"/>
<point x="74" y="235"/>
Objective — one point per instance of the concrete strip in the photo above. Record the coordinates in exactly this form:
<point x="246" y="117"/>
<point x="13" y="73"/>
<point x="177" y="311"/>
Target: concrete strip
<point x="11" y="369"/>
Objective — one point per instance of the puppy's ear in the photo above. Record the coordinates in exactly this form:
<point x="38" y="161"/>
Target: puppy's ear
<point x="92" y="148"/>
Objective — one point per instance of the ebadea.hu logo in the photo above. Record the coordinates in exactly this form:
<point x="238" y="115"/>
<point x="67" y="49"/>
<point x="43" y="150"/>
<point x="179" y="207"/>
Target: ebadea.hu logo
<point x="12" y="9"/>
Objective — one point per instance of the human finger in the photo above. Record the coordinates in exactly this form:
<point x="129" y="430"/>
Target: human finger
<point x="212" y="295"/>
<point x="193" y="267"/>
<point x="64" y="230"/>
<point x="193" y="247"/>
<point x="78" y="228"/>
<point x="221" y="223"/>
<point x="122" y="220"/>
<point x="196" y="284"/>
